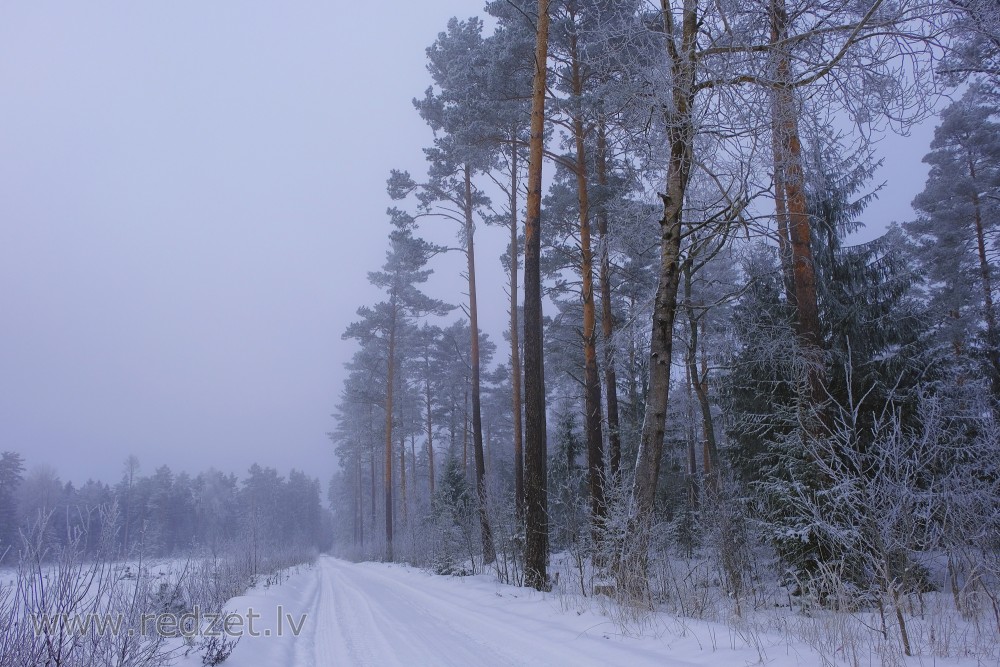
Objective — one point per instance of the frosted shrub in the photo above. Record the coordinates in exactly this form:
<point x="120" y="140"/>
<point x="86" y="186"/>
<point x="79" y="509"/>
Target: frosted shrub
<point x="56" y="582"/>
<point x="894" y="499"/>
<point x="508" y="535"/>
<point x="216" y="649"/>
<point x="73" y="605"/>
<point x="623" y="550"/>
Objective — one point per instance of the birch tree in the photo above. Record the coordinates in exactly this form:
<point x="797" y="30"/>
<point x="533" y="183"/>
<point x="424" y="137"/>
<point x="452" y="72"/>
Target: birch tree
<point x="870" y="61"/>
<point x="975" y="40"/>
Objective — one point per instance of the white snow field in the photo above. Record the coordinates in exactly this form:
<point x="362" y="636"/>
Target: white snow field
<point x="378" y="614"/>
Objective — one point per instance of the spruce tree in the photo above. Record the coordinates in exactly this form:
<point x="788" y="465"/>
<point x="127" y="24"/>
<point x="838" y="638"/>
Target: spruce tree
<point x="872" y="336"/>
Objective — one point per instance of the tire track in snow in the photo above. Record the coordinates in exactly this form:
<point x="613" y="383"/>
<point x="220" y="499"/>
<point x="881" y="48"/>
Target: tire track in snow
<point x="395" y="629"/>
<point x="304" y="654"/>
<point x="362" y="614"/>
<point x="403" y="623"/>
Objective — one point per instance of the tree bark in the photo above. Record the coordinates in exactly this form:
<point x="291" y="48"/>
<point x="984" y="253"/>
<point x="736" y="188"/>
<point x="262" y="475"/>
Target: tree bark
<point x="374" y="492"/>
<point x="789" y="161"/>
<point x="992" y="335"/>
<point x="781" y="211"/>
<point x="360" y="517"/>
<point x="465" y="436"/>
<point x="402" y="478"/>
<point x="413" y="466"/>
<point x="781" y="73"/>
<point x="680" y="132"/>
<point x="452" y="438"/>
<point x="430" y="438"/>
<point x="711" y="447"/>
<point x="591" y="374"/>
<point x="536" y="549"/>
<point x="699" y="383"/>
<point x="692" y="435"/>
<point x="607" y="317"/>
<point x="489" y="555"/>
<point x="515" y="352"/>
<point x="390" y="380"/>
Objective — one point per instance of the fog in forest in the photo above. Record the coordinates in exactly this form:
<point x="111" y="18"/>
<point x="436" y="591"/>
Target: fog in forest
<point x="675" y="315"/>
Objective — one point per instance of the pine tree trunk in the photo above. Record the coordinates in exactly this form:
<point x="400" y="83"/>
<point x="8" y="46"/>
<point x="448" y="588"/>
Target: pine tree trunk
<point x="465" y="436"/>
<point x="452" y="446"/>
<point x="711" y="445"/>
<point x="489" y="555"/>
<point x="789" y="160"/>
<point x="592" y="379"/>
<point x="636" y="395"/>
<point x="357" y="499"/>
<point x="361" y="507"/>
<point x="992" y="335"/>
<point x="413" y="465"/>
<point x="515" y="352"/>
<point x="803" y="265"/>
<point x="691" y="437"/>
<point x="699" y="383"/>
<point x="607" y="318"/>
<point x="536" y="549"/>
<point x="390" y="379"/>
<point x="374" y="492"/>
<point x="430" y="439"/>
<point x="402" y="479"/>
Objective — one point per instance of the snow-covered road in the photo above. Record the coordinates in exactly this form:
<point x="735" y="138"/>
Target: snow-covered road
<point x="376" y="614"/>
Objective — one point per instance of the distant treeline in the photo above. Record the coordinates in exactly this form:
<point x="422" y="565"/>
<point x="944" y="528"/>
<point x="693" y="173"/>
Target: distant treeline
<point x="164" y="513"/>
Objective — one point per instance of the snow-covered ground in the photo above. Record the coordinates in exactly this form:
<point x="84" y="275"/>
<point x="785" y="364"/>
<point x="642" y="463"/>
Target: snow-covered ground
<point x="339" y="613"/>
<point x="336" y="613"/>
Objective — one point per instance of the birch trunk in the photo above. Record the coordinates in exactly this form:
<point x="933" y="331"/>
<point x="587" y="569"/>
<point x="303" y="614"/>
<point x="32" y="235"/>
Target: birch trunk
<point x="680" y="132"/>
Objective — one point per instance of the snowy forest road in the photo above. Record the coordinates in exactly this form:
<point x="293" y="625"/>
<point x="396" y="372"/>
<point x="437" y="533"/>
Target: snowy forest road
<point x="374" y="614"/>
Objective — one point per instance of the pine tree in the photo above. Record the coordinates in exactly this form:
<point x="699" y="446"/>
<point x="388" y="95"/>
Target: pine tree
<point x="572" y="26"/>
<point x="359" y="432"/>
<point x="459" y="113"/>
<point x="399" y="277"/>
<point x="958" y="226"/>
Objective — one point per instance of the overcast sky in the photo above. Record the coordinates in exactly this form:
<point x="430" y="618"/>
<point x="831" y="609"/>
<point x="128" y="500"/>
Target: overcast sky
<point x="191" y="194"/>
